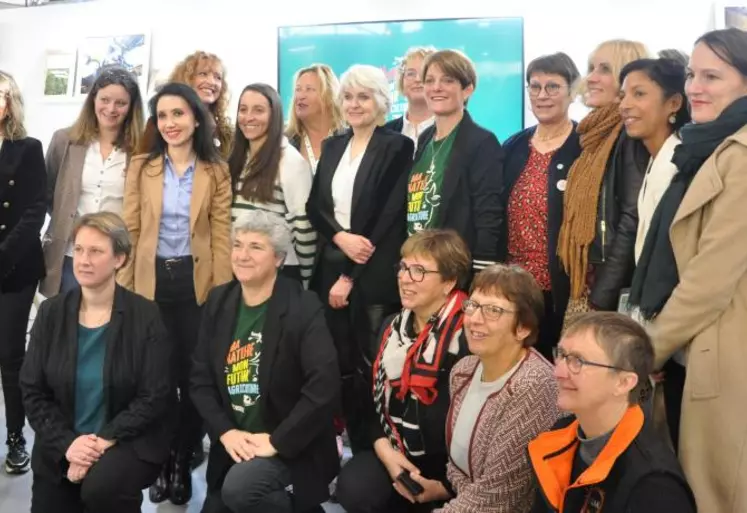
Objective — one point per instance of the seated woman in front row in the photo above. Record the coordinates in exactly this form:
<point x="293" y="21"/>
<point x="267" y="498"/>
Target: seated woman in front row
<point x="419" y="346"/>
<point x="501" y="397"/>
<point x="604" y="458"/>
<point x="96" y="384"/>
<point x="265" y="379"/>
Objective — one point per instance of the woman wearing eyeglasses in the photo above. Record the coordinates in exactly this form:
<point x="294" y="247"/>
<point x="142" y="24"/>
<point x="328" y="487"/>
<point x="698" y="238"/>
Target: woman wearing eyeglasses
<point x="603" y="457"/>
<point x="419" y="346"/>
<point x="536" y="168"/>
<point x="502" y="396"/>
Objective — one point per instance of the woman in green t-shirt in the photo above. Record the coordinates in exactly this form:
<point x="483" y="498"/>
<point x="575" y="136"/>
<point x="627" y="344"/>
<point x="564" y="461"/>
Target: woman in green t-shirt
<point x="265" y="379"/>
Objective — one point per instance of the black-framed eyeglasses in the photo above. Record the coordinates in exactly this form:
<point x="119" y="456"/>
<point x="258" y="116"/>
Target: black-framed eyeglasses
<point x="490" y="312"/>
<point x="551" y="89"/>
<point x="416" y="271"/>
<point x="575" y="363"/>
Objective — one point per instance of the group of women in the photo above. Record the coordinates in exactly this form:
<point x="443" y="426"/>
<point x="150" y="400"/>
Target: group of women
<point x="276" y="286"/>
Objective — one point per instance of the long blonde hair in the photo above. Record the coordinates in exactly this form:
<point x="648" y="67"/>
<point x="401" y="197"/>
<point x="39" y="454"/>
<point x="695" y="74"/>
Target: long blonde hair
<point x="623" y="51"/>
<point x="12" y="125"/>
<point x="185" y="71"/>
<point x="330" y="88"/>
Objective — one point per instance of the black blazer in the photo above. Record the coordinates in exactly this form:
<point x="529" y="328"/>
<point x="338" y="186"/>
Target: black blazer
<point x="396" y="124"/>
<point x="138" y="390"/>
<point x="23" y="185"/>
<point x="379" y="208"/>
<point x="299" y="382"/>
<point x="471" y="201"/>
<point x="517" y="154"/>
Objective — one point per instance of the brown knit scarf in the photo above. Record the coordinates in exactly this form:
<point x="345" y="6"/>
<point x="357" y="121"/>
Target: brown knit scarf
<point x="598" y="132"/>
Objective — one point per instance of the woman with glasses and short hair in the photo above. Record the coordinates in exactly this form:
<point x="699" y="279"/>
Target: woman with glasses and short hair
<point x="418" y="116"/>
<point x="535" y="172"/>
<point x="419" y="346"/>
<point x="603" y="457"/>
<point x="502" y="396"/>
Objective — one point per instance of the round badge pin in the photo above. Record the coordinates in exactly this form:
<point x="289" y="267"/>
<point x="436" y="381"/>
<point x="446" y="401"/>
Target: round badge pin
<point x="561" y="185"/>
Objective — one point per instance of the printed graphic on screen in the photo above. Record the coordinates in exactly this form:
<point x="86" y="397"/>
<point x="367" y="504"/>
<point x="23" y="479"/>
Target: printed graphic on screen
<point x="495" y="45"/>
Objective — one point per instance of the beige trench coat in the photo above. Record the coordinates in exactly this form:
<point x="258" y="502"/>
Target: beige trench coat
<point x="707" y="315"/>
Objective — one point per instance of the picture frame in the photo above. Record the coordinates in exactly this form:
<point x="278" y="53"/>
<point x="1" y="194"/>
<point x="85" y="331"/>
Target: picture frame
<point x="59" y="75"/>
<point x="130" y="50"/>
<point x="731" y="14"/>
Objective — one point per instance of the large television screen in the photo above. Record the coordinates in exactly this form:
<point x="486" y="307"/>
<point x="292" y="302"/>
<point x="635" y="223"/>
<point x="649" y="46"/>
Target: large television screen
<point x="495" y="45"/>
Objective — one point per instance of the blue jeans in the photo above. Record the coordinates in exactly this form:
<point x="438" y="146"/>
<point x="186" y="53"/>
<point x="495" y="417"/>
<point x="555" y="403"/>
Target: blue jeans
<point x="68" y="281"/>
<point x="256" y="485"/>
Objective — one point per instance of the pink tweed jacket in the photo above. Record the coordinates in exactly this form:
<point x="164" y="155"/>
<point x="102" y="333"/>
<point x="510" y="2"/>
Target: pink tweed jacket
<point x="500" y="476"/>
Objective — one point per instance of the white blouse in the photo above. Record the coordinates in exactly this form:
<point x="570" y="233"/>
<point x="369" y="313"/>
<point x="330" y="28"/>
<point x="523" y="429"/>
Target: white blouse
<point x="655" y="183"/>
<point x="342" y="185"/>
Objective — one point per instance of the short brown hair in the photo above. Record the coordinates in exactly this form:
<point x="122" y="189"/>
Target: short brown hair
<point x="446" y="248"/>
<point x="623" y="340"/>
<point x="109" y="224"/>
<point x="558" y="63"/>
<point x="519" y="287"/>
<point x="454" y="64"/>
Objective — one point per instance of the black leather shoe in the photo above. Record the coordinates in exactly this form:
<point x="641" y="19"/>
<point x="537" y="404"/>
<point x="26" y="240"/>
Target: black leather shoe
<point x="159" y="491"/>
<point x="181" y="479"/>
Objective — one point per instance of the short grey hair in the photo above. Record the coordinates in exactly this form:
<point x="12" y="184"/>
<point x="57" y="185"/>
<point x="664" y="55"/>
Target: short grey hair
<point x="260" y="221"/>
<point x="372" y="78"/>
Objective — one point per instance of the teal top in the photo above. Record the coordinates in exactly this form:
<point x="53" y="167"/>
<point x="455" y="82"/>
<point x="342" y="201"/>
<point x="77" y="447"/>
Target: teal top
<point x="90" y="410"/>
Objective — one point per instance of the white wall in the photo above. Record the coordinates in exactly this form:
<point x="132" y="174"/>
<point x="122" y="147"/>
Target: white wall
<point x="246" y="38"/>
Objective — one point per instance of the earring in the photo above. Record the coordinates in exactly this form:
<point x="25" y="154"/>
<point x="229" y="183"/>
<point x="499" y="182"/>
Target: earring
<point x="672" y="119"/>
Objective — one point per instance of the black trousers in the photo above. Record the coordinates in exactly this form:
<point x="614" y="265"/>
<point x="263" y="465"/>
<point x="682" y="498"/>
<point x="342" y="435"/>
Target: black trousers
<point x="257" y="485"/>
<point x="354" y="331"/>
<point x="113" y="485"/>
<point x="364" y="486"/>
<point x="175" y="296"/>
<point x="674" y="385"/>
<point x="14" y="317"/>
<point x="550" y="328"/>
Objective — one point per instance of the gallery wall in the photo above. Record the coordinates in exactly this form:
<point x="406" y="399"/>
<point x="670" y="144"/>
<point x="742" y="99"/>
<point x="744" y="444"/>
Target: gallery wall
<point x="246" y="38"/>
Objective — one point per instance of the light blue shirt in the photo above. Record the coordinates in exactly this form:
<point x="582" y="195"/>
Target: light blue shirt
<point x="173" y="234"/>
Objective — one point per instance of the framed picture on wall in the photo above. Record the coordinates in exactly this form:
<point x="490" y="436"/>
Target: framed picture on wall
<point x="132" y="51"/>
<point x="731" y="14"/>
<point x="59" y="75"/>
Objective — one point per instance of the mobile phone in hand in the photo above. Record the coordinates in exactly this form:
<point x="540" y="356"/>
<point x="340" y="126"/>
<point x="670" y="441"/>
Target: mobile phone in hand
<point x="409" y="483"/>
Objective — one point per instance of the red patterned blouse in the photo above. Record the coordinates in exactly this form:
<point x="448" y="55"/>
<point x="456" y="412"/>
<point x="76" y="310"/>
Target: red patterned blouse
<point x="527" y="218"/>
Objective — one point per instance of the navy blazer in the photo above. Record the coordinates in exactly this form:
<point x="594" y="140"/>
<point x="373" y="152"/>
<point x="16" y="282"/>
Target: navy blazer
<point x="23" y="184"/>
<point x="517" y="154"/>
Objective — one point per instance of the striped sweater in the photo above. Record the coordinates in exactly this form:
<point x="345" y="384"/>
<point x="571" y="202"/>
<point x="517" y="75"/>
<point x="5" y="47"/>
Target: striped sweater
<point x="289" y="202"/>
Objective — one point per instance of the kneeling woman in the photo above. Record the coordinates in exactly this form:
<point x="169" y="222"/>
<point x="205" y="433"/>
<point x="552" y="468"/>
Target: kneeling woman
<point x="265" y="379"/>
<point x="96" y="384"/>
<point x="501" y="397"/>
<point x="419" y="346"/>
<point x="604" y="458"/>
